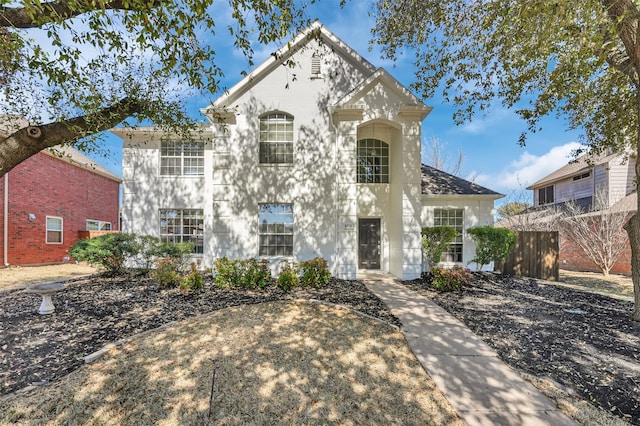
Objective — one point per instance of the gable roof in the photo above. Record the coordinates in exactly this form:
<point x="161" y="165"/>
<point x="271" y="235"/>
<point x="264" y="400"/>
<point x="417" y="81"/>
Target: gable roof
<point x="382" y="76"/>
<point x="582" y="163"/>
<point x="315" y="31"/>
<point x="74" y="157"/>
<point x="437" y="182"/>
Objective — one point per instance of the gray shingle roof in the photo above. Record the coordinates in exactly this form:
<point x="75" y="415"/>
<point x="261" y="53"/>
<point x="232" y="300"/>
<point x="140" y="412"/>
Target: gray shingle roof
<point x="437" y="182"/>
<point x="584" y="162"/>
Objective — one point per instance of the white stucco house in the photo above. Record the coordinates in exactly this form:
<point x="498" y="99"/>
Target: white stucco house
<point x="314" y="153"/>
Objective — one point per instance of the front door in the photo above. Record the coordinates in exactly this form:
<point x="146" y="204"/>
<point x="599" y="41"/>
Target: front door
<point x="369" y="243"/>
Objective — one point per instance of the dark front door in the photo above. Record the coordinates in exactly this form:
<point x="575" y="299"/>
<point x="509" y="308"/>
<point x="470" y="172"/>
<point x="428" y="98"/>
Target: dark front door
<point x="369" y="243"/>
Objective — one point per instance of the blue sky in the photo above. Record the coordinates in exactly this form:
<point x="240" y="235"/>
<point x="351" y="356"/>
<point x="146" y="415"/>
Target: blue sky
<point x="492" y="156"/>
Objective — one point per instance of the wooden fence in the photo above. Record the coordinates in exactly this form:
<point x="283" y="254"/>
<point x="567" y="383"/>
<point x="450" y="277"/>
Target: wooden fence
<point x="535" y="256"/>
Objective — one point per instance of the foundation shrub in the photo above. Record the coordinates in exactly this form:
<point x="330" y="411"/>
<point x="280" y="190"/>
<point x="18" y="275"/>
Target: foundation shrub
<point x="314" y="272"/>
<point x="248" y="273"/>
<point x="450" y="279"/>
<point x="109" y="251"/>
<point x="193" y="280"/>
<point x="289" y="276"/>
<point x="166" y="272"/>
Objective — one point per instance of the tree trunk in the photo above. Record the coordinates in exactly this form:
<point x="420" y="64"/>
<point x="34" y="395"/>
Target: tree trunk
<point x="30" y="140"/>
<point x="633" y="229"/>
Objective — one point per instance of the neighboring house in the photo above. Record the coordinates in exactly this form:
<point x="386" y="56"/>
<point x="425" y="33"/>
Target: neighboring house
<point x="49" y="200"/>
<point x="580" y="181"/>
<point x="607" y="175"/>
<point x="314" y="153"/>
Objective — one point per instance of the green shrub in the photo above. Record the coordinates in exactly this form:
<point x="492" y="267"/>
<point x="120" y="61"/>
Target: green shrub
<point x="109" y="251"/>
<point x="435" y="240"/>
<point x="193" y="280"/>
<point x="180" y="252"/>
<point x="445" y="279"/>
<point x="315" y="272"/>
<point x="492" y="244"/>
<point x="228" y="272"/>
<point x="255" y="273"/>
<point x="166" y="272"/>
<point x="147" y="252"/>
<point x="289" y="276"/>
<point x="249" y="273"/>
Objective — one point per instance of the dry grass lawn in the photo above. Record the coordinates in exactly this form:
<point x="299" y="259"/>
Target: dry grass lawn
<point x="22" y="276"/>
<point x="274" y="363"/>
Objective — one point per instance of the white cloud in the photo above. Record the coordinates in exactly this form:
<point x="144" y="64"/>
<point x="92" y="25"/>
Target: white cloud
<point x="527" y="169"/>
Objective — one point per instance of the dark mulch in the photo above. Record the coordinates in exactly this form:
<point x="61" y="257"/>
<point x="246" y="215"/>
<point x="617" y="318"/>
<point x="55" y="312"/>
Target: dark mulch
<point x="90" y="313"/>
<point x="584" y="341"/>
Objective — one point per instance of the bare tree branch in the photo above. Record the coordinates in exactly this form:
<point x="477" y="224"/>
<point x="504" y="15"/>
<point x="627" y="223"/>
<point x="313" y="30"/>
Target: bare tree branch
<point x="30" y="140"/>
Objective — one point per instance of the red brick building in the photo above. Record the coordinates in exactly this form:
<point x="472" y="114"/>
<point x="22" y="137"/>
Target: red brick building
<point x="47" y="200"/>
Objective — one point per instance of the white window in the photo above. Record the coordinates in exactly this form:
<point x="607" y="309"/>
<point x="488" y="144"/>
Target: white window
<point x="453" y="218"/>
<point x="373" y="161"/>
<point x="181" y="158"/>
<point x="276" y="138"/>
<point x="98" y="225"/>
<point x="582" y="176"/>
<point x="315" y="66"/>
<point x="275" y="230"/>
<point x="183" y="225"/>
<point x="54" y="230"/>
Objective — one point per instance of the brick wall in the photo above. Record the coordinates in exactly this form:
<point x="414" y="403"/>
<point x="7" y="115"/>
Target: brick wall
<point x="47" y="186"/>
<point x="573" y="258"/>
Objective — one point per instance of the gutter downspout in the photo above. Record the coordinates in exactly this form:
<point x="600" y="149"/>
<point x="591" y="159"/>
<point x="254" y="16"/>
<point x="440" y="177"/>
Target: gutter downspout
<point x="5" y="225"/>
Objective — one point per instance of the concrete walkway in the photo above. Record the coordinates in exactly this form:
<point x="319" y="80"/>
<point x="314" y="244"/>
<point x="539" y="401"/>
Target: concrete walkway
<point x="482" y="389"/>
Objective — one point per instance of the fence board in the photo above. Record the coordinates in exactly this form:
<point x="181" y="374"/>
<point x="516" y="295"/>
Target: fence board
<point x="535" y="255"/>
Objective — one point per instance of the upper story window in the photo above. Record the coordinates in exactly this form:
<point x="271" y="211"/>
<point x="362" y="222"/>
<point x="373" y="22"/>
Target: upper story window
<point x="178" y="158"/>
<point x="582" y="176"/>
<point x="373" y="161"/>
<point x="545" y="195"/>
<point x="276" y="138"/>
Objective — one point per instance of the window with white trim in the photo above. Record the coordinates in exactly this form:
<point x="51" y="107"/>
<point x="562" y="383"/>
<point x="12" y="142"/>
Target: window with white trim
<point x="181" y="158"/>
<point x="183" y="225"/>
<point x="453" y="218"/>
<point x="373" y="161"/>
<point x="275" y="230"/>
<point x="54" y="230"/>
<point x="276" y="138"/>
<point x="98" y="225"/>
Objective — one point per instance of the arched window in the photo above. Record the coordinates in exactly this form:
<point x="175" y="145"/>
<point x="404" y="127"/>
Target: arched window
<point x="373" y="161"/>
<point x="276" y="138"/>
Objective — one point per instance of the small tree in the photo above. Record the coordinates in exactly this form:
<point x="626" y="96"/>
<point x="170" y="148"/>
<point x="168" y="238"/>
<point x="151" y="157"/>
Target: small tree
<point x="599" y="232"/>
<point x="435" y="240"/>
<point x="492" y="244"/>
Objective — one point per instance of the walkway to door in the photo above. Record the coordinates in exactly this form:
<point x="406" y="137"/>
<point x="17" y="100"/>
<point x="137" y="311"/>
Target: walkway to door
<point x="482" y="389"/>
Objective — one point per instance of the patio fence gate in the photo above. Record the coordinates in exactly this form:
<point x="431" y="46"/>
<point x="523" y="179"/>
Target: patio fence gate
<point x="535" y="255"/>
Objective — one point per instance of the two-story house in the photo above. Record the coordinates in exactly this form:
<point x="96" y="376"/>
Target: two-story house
<point x="609" y="176"/>
<point x="314" y="153"/>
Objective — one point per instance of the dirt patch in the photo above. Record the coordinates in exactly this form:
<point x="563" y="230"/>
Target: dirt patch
<point x="22" y="276"/>
<point x="586" y="342"/>
<point x="273" y="363"/>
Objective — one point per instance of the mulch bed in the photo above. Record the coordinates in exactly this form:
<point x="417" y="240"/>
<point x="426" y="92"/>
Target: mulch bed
<point x="93" y="312"/>
<point x="586" y="342"/>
